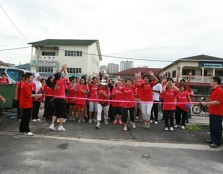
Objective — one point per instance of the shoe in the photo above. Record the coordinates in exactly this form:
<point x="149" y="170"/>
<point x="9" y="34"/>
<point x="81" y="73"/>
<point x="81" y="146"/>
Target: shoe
<point x="29" y="133"/>
<point x="90" y="121"/>
<point x="38" y="119"/>
<point x="144" y="126"/>
<point x="166" y="129"/>
<point x="115" y="122"/>
<point x="34" y="120"/>
<point x="182" y="127"/>
<point x="148" y="126"/>
<point x="83" y="120"/>
<point x="106" y="122"/>
<point x="125" y="128"/>
<point x="58" y="120"/>
<point x="98" y="125"/>
<point x="120" y="122"/>
<point x="79" y="121"/>
<point x="133" y="125"/>
<point x="52" y="127"/>
<point x="156" y="122"/>
<point x="61" y="128"/>
<point x="64" y="120"/>
<point x="95" y="121"/>
<point x="176" y="126"/>
<point x="213" y="145"/>
<point x="209" y="141"/>
<point x="171" y="129"/>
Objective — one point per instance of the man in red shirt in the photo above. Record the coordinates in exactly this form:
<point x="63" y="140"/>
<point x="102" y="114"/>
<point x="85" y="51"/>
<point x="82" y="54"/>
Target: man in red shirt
<point x="216" y="112"/>
<point x="26" y="103"/>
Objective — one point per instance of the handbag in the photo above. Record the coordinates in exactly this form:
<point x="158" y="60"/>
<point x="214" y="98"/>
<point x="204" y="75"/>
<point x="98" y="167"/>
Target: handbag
<point x="15" y="103"/>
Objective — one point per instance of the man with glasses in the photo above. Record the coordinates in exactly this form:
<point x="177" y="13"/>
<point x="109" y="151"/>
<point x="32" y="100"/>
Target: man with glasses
<point x="216" y="112"/>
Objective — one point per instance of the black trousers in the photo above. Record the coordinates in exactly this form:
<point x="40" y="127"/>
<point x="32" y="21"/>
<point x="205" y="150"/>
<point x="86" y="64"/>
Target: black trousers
<point x="19" y="113"/>
<point x="111" y="113"/>
<point x="216" y="129"/>
<point x="35" y="110"/>
<point x="125" y="114"/>
<point x="155" y="110"/>
<point x="180" y="112"/>
<point x="168" y="115"/>
<point x="24" y="124"/>
<point x="48" y="108"/>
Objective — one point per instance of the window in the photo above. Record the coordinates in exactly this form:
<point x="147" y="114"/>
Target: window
<point x="186" y="72"/>
<point x="74" y="70"/>
<point x="174" y="74"/>
<point x="45" y="69"/>
<point x="73" y="53"/>
<point x="47" y="53"/>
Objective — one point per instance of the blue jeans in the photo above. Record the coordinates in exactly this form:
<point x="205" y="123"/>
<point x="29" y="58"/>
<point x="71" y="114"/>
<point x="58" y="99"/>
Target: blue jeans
<point x="216" y="129"/>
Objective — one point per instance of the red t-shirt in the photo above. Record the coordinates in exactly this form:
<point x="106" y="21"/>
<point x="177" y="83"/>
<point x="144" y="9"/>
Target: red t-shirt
<point x="60" y="88"/>
<point x="170" y="96"/>
<point x="39" y="92"/>
<point x="138" y="89"/>
<point x="183" y="97"/>
<point x="4" y="81"/>
<point x="71" y="92"/>
<point x="117" y="96"/>
<point x="26" y="101"/>
<point x="49" y="92"/>
<point x="162" y="94"/>
<point x="217" y="95"/>
<point x="147" y="91"/>
<point x="101" y="96"/>
<point x="128" y="95"/>
<point x="93" y="91"/>
<point x="80" y="94"/>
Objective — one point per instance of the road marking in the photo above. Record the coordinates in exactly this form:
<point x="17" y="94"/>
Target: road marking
<point x="131" y="143"/>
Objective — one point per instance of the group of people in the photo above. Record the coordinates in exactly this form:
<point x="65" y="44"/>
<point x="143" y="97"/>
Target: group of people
<point x="98" y="97"/>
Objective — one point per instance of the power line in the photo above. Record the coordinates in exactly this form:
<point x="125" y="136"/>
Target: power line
<point x="13" y="23"/>
<point x="8" y="49"/>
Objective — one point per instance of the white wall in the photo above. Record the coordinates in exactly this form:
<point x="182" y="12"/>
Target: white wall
<point x="93" y="60"/>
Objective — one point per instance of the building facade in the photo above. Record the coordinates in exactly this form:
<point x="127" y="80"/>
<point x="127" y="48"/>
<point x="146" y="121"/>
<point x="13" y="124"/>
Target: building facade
<point x="124" y="65"/>
<point x="113" y="68"/>
<point x="81" y="56"/>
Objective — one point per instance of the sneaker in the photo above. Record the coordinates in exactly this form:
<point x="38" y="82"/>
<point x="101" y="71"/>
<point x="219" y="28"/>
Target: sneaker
<point x="79" y="120"/>
<point x="38" y="119"/>
<point x="156" y="122"/>
<point x="182" y="127"/>
<point x="58" y="120"/>
<point x="125" y="128"/>
<point x="176" y="126"/>
<point x="29" y="134"/>
<point x="106" y="122"/>
<point x="166" y="129"/>
<point x="61" y="128"/>
<point x="120" y="122"/>
<point x="98" y="125"/>
<point x="115" y="122"/>
<point x="83" y="120"/>
<point x="34" y="120"/>
<point x="133" y="125"/>
<point x="52" y="127"/>
<point x="90" y="121"/>
<point x="171" y="129"/>
<point x="65" y="120"/>
<point x="148" y="126"/>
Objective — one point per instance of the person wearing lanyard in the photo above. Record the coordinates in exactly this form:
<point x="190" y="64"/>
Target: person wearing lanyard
<point x="216" y="112"/>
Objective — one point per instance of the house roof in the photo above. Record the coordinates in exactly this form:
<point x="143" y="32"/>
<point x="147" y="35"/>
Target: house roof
<point x="4" y="64"/>
<point x="132" y="71"/>
<point x="63" y="42"/>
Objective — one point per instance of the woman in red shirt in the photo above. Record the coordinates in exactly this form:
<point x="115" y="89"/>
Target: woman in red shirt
<point x="169" y="106"/>
<point x="183" y="98"/>
<point x="147" y="97"/>
<point x="49" y="92"/>
<point x="117" y="94"/>
<point x="26" y="103"/>
<point x="71" y="100"/>
<point x="81" y="91"/>
<point x="59" y="86"/>
<point x="4" y="80"/>
<point x="128" y="95"/>
<point x="103" y="94"/>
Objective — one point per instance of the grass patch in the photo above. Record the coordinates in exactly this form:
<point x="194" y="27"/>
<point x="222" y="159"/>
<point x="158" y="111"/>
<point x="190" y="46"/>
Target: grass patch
<point x="197" y="127"/>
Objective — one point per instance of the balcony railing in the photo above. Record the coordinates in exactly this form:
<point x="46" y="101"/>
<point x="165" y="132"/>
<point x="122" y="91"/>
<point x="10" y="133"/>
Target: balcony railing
<point x="198" y="79"/>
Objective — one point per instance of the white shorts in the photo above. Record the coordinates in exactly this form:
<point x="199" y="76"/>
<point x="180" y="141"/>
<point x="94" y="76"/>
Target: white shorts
<point x="93" y="107"/>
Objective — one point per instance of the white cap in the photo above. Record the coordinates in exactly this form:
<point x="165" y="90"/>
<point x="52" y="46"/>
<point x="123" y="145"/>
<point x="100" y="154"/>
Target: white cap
<point x="103" y="82"/>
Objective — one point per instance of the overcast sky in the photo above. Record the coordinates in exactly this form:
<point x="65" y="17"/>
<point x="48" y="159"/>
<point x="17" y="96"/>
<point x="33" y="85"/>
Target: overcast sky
<point x="148" y="29"/>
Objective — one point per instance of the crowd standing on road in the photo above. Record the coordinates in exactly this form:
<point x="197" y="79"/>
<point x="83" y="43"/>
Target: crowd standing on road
<point x="121" y="101"/>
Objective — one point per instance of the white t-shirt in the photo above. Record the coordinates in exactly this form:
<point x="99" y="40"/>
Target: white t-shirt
<point x="156" y="95"/>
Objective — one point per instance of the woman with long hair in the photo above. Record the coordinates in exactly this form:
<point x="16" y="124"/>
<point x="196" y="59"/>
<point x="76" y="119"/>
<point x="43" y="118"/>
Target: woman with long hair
<point x="59" y="85"/>
<point x="81" y="101"/>
<point x="49" y="92"/>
